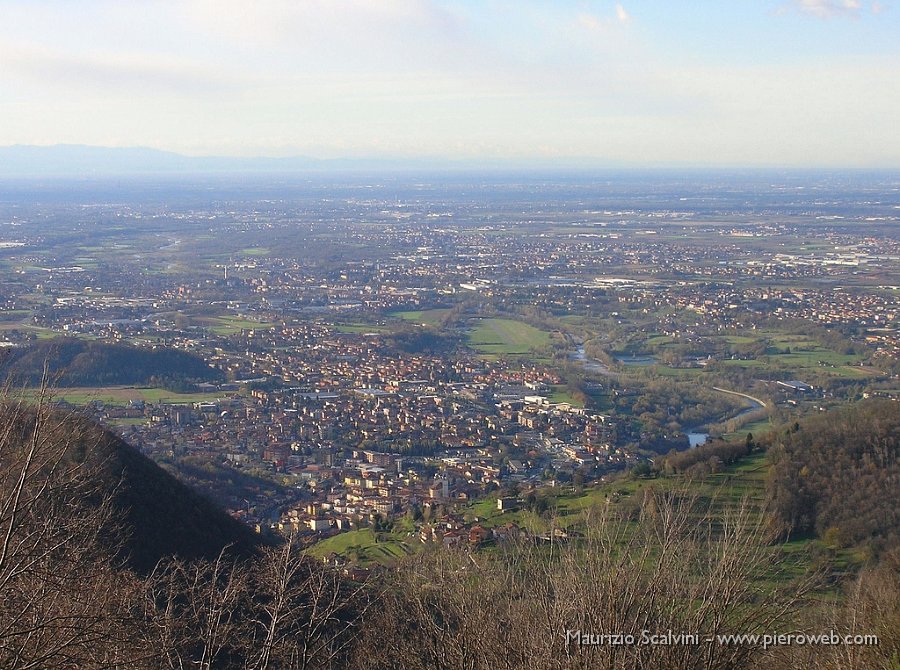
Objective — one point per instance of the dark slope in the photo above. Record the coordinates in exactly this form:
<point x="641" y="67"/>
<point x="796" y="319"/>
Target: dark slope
<point x="164" y="517"/>
<point x="837" y="476"/>
<point x="74" y="362"/>
<point x="153" y="515"/>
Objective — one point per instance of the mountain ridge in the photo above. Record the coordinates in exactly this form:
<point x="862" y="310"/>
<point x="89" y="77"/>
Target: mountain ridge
<point x="82" y="160"/>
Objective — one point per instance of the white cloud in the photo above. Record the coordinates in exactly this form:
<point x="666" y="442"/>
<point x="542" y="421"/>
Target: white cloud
<point x="826" y="9"/>
<point x="590" y="22"/>
<point x="594" y="23"/>
<point x="110" y="71"/>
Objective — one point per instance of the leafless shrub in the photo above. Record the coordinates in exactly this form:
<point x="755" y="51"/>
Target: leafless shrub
<point x="676" y="570"/>
<point x="61" y="590"/>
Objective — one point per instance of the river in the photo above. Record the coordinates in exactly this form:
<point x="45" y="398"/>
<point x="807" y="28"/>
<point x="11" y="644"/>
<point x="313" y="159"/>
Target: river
<point x="592" y="364"/>
<point x="696" y="435"/>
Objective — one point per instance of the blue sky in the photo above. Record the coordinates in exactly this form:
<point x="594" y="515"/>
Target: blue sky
<point x="732" y="82"/>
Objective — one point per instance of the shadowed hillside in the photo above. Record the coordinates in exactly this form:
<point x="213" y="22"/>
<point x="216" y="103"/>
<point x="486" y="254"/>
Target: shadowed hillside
<point x="74" y="362"/>
<point x="149" y="514"/>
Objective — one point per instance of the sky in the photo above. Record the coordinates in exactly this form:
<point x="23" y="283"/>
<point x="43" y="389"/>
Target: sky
<point x="795" y="83"/>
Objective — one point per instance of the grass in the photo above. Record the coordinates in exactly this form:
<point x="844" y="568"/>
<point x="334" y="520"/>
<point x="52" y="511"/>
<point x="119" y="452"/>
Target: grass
<point x="795" y="354"/>
<point x="122" y="395"/>
<point x="757" y="428"/>
<point x="256" y="251"/>
<point x="230" y="325"/>
<point x="738" y="339"/>
<point x="427" y="317"/>
<point x="716" y="496"/>
<point x="660" y="340"/>
<point x="365" y="547"/>
<point x="737" y="363"/>
<point x="340" y="544"/>
<point x="359" y="328"/>
<point x="40" y="333"/>
<point x="500" y="337"/>
<point x="560" y="394"/>
<point x="14" y="314"/>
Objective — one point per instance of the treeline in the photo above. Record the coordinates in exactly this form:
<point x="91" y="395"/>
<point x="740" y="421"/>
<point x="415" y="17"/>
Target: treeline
<point x="837" y="476"/>
<point x="74" y="362"/>
<point x="665" y="408"/>
<point x="707" y="458"/>
<point x="421" y="340"/>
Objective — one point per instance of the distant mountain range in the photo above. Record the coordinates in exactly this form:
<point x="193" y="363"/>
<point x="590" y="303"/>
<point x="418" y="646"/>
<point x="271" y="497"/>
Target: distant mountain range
<point x="84" y="161"/>
<point x="76" y="160"/>
<point x="73" y="160"/>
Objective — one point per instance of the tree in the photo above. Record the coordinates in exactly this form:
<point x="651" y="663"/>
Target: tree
<point x="64" y="599"/>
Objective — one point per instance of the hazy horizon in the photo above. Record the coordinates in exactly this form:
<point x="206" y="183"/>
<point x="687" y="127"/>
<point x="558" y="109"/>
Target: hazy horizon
<point x="779" y="83"/>
<point x="65" y="161"/>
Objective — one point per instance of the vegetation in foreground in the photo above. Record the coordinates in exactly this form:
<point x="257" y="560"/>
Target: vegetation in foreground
<point x="72" y="600"/>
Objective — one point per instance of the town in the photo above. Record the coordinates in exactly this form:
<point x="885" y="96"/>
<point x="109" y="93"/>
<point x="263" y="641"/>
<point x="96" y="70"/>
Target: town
<point x="411" y="350"/>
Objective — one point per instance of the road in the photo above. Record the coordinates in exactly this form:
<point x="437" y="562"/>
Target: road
<point x="760" y="403"/>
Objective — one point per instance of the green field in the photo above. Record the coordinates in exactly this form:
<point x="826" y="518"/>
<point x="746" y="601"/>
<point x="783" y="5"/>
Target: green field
<point x="14" y="314"/>
<point x="39" y="332"/>
<point x="738" y="339"/>
<point x="813" y="360"/>
<point x="122" y="395"/>
<point x="256" y="251"/>
<point x="359" y="328"/>
<point x="501" y="337"/>
<point x="426" y="317"/>
<point x="757" y="428"/>
<point x="717" y="493"/>
<point x="560" y="394"/>
<point x="365" y="547"/>
<point x="230" y="325"/>
<point x="714" y="498"/>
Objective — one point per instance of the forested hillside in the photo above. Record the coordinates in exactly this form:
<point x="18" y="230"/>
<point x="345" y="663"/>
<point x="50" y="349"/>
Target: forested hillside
<point x="76" y="362"/>
<point x="838" y="476"/>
